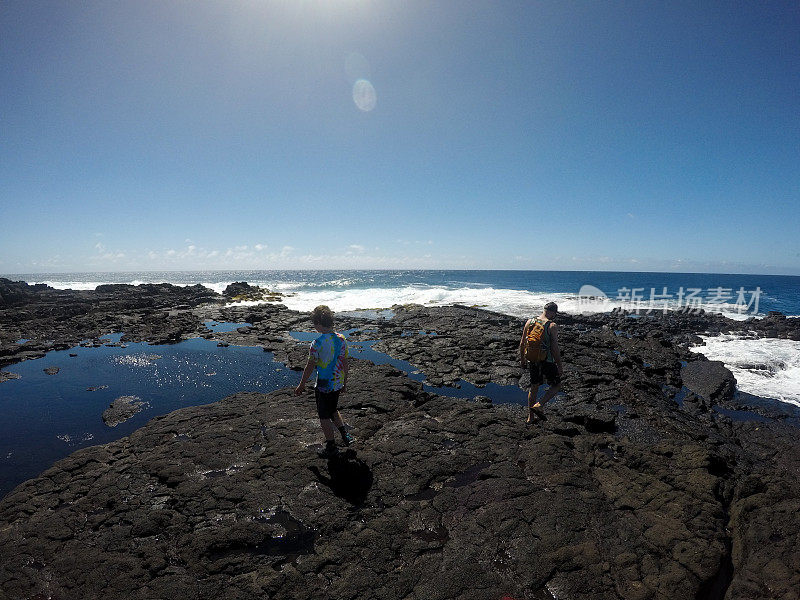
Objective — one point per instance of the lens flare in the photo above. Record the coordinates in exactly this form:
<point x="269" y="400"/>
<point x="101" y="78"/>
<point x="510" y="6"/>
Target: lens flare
<point x="364" y="95"/>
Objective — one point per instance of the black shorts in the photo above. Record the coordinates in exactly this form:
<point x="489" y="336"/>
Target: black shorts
<point x="544" y="370"/>
<point x="327" y="403"/>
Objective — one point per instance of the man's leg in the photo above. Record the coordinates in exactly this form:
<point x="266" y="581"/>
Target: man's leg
<point x="532" y="401"/>
<point x="549" y="394"/>
<point x="553" y="378"/>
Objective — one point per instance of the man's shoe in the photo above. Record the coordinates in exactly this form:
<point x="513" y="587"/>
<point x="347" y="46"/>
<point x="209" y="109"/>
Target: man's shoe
<point x="347" y="439"/>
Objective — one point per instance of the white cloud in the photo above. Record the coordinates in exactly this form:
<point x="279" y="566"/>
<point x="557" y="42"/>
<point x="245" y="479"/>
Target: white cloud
<point x="104" y="255"/>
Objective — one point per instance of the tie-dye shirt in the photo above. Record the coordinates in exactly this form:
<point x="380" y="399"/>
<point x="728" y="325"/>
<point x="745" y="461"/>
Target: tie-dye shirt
<point x="329" y="351"/>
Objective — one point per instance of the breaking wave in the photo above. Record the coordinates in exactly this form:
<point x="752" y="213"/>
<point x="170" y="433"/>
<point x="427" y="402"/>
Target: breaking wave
<point x="765" y="367"/>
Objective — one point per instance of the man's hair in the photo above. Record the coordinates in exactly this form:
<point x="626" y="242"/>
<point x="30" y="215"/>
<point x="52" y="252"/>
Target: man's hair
<point x="322" y="315"/>
<point x="551" y="306"/>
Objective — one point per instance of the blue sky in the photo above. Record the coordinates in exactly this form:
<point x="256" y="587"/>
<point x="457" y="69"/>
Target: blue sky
<point x="636" y="136"/>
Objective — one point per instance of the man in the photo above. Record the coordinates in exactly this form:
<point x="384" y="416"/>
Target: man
<point x="550" y="368"/>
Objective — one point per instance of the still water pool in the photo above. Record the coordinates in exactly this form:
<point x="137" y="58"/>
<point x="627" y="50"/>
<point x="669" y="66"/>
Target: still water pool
<point x="47" y="417"/>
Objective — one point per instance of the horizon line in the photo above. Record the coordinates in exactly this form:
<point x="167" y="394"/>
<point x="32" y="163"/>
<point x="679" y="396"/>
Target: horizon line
<point x="9" y="275"/>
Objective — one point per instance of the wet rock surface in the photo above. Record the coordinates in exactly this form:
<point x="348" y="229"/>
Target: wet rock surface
<point x="621" y="493"/>
<point x="439" y="498"/>
<point x="8" y="376"/>
<point x="709" y="379"/>
<point x="53" y="319"/>
<point x="122" y="409"/>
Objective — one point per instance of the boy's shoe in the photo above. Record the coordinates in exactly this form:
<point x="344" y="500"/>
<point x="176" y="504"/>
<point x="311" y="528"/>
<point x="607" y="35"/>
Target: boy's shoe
<point x="347" y="439"/>
<point x="329" y="451"/>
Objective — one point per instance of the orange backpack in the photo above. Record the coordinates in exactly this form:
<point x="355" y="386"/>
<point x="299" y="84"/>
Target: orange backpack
<point x="535" y="350"/>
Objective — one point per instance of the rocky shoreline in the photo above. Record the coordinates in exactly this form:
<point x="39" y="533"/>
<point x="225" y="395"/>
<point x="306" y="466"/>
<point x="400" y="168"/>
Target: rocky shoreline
<point x="638" y="485"/>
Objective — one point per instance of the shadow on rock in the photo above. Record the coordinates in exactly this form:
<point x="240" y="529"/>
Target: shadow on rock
<point x="349" y="477"/>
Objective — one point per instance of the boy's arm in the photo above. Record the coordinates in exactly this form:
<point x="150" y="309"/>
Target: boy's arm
<point x="310" y="364"/>
<point x="346" y="371"/>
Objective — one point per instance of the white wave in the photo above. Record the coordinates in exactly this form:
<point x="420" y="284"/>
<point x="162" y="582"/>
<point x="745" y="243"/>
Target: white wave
<point x="217" y="287"/>
<point x="304" y="295"/>
<point x="765" y="367"/>
<point x="517" y="303"/>
<point x="70" y="285"/>
<point x="512" y="302"/>
<point x="591" y="300"/>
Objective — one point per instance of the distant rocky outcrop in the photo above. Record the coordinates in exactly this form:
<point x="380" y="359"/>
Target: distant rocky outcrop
<point x="243" y="291"/>
<point x="14" y="293"/>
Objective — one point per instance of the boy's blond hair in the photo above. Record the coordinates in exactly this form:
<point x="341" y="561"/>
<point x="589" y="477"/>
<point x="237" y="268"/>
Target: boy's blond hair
<point x="322" y="315"/>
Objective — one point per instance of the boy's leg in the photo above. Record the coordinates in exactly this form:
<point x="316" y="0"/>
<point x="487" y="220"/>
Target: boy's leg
<point x="325" y="411"/>
<point x="327" y="429"/>
<point x="346" y="437"/>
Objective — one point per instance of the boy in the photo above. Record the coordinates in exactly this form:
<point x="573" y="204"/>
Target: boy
<point x="329" y="356"/>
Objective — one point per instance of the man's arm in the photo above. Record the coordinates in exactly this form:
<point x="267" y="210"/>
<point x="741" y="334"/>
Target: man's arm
<point x="554" y="349"/>
<point x="306" y="374"/>
<point x="522" y="358"/>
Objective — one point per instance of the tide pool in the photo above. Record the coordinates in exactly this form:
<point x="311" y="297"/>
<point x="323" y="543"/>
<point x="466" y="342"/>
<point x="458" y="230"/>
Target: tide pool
<point x="47" y="417"/>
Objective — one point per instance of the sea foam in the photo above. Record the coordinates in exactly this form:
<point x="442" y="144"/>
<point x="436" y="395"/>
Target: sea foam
<point x="765" y="367"/>
<point x="517" y="303"/>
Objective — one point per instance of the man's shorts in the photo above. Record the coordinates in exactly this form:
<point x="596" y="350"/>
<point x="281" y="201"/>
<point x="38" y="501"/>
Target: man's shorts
<point x="544" y="370"/>
<point x="327" y="403"/>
